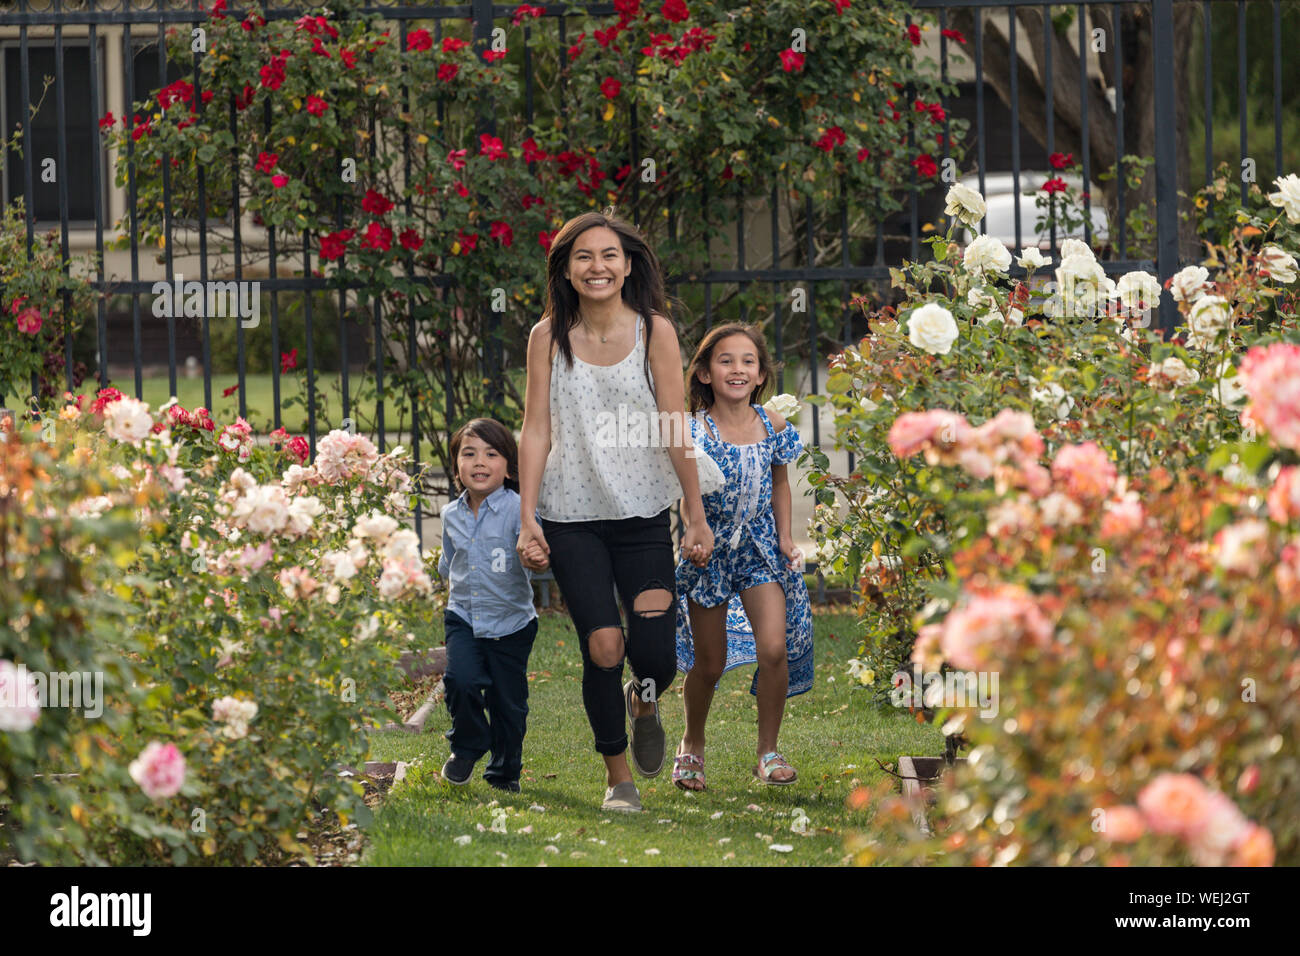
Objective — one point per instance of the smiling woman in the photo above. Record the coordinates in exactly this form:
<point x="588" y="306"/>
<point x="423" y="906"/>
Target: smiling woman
<point x="598" y="509"/>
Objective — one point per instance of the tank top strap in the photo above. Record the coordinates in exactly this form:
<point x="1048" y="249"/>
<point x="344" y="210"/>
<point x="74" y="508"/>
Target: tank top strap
<point x="713" y="427"/>
<point x="639" y="322"/>
<point x="767" y="422"/>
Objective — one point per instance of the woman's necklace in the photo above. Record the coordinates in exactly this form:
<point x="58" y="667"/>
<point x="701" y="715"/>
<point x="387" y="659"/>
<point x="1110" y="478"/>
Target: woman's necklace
<point x="592" y="330"/>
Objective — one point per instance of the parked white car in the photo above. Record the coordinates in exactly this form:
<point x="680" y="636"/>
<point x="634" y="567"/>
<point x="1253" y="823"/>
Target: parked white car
<point x="1000" y="198"/>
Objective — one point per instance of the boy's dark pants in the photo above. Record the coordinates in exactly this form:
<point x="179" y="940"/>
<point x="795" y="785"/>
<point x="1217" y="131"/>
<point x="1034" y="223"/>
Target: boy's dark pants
<point x="488" y="677"/>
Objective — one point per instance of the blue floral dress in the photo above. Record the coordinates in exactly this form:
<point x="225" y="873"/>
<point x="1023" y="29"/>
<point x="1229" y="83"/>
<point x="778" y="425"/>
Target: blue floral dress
<point x="746" y="552"/>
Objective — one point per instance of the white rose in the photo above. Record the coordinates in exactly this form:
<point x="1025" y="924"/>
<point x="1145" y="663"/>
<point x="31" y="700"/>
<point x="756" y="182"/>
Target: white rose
<point x="1175" y="372"/>
<point x="868" y="405"/>
<point x="1279" y="264"/>
<point x="1138" y="290"/>
<point x="1083" y="287"/>
<point x="1189" y="284"/>
<point x="966" y="204"/>
<point x="932" y="329"/>
<point x="301" y="512"/>
<point x="982" y="300"/>
<point x="1210" y="314"/>
<point x="20" y="700"/>
<point x="375" y="526"/>
<point x="403" y="545"/>
<point x="986" y="253"/>
<point x="1241" y="545"/>
<point x="1060" y="510"/>
<point x="128" y="420"/>
<point x="785" y="405"/>
<point x="1288" y="196"/>
<point x="1229" y="391"/>
<point x="1077" y="247"/>
<point x="1031" y="257"/>
<point x="1054" y="396"/>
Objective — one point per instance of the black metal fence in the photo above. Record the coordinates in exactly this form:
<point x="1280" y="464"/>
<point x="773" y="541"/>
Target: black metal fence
<point x="997" y="44"/>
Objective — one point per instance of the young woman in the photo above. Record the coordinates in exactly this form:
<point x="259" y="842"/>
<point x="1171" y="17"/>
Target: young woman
<point x="598" y="471"/>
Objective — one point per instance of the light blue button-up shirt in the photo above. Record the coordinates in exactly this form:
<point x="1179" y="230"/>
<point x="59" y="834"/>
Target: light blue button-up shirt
<point x="488" y="587"/>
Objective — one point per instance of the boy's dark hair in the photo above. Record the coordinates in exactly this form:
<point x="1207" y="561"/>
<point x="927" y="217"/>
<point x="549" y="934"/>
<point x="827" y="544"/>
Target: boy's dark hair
<point x="699" y="395"/>
<point x="494" y="435"/>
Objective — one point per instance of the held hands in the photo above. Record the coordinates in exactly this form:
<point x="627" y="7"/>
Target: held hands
<point x="792" y="554"/>
<point x="697" y="545"/>
<point x="534" y="552"/>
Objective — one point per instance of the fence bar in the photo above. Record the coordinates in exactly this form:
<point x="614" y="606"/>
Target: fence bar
<point x="979" y="108"/>
<point x="61" y="159"/>
<point x="1241" y="86"/>
<point x="1121" y="188"/>
<point x="167" y="208"/>
<point x="775" y="212"/>
<point x="1209" y="98"/>
<point x="812" y="312"/>
<point x="97" y="193"/>
<point x="1162" y="35"/>
<point x="1051" y="119"/>
<point x="1015" y="117"/>
<point x="1277" y="89"/>
<point x="129" y="55"/>
<point x="1085" y="87"/>
<point x="203" y="243"/>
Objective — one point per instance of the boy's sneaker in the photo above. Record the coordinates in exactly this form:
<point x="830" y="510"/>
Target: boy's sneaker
<point x="457" y="770"/>
<point x="510" y="786"/>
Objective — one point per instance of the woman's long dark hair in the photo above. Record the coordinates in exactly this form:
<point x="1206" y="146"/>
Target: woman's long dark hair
<point x="643" y="287"/>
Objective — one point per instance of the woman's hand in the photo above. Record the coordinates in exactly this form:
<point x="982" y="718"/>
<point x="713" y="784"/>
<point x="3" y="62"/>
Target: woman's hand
<point x="697" y="546"/>
<point x="534" y="552"/>
<point x="792" y="554"/>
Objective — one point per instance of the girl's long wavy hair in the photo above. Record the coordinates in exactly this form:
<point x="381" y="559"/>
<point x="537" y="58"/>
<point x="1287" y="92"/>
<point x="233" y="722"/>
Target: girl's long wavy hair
<point x="700" y="396"/>
<point x="643" y="287"/>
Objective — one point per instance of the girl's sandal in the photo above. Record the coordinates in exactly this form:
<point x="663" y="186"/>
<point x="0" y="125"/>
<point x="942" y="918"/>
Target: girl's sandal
<point x="688" y="767"/>
<point x="772" y="761"/>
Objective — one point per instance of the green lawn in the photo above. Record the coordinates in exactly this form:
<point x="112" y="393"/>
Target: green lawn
<point x="259" y="398"/>
<point x="830" y="735"/>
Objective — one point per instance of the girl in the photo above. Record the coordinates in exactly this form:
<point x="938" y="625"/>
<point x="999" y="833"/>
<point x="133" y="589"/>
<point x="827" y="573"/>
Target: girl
<point x="604" y="377"/>
<point x="749" y="603"/>
<point x="490" y="621"/>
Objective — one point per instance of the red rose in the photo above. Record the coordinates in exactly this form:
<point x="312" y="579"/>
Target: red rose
<point x="376" y="203"/>
<point x="227" y="392"/>
<point x="544" y="238"/>
<point x="914" y="34"/>
<point x="925" y="166"/>
<point x="279" y="180"/>
<point x="490" y="146"/>
<point x="460" y="189"/>
<point x="218" y="10"/>
<point x="288" y="360"/>
<point x="953" y="35"/>
<point x="467" y="243"/>
<point x="830" y="139"/>
<point x="532" y="152"/>
<point x="29" y="320"/>
<point x="606" y="37"/>
<point x="627" y="9"/>
<point x="299" y="448"/>
<point x="447" y="71"/>
<point x="840" y="5"/>
<point x="410" y="239"/>
<point x="378" y="237"/>
<point x="494" y="55"/>
<point x="453" y="44"/>
<point x="1061" y="160"/>
<point x="349" y="58"/>
<point x="206" y="97"/>
<point x="457" y="158"/>
<point x="863" y="153"/>
<point x="791" y="62"/>
<point x="502" y="233"/>
<point x="266" y="161"/>
<point x="524" y="10"/>
<point x="316" y="106"/>
<point x="610" y="87"/>
<point x="245" y="98"/>
<point x="335" y="244"/>
<point x="418" y="40"/>
<point x="675" y="10"/>
<point x="107" y="121"/>
<point x="1054" y="186"/>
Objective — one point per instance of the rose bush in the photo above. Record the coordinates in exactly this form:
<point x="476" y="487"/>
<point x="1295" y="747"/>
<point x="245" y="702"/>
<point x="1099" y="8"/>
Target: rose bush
<point x="1101" y="518"/>
<point x="260" y="606"/>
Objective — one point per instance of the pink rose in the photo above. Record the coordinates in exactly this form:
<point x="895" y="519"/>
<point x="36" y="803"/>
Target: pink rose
<point x="1271" y="377"/>
<point x="159" y="770"/>
<point x="1124" y="824"/>
<point x="1255" y="848"/>
<point x="1085" y="470"/>
<point x="1176" y="803"/>
<point x="918" y="431"/>
<point x="979" y="632"/>
<point x="1122" y="518"/>
<point x="1284" y="496"/>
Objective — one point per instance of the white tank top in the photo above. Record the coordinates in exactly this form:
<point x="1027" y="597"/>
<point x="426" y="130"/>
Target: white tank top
<point x="607" y="459"/>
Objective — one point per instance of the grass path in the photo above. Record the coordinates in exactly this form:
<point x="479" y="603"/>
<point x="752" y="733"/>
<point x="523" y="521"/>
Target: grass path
<point x="830" y="735"/>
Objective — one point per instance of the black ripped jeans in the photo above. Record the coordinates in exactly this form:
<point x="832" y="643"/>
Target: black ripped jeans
<point x="592" y="558"/>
